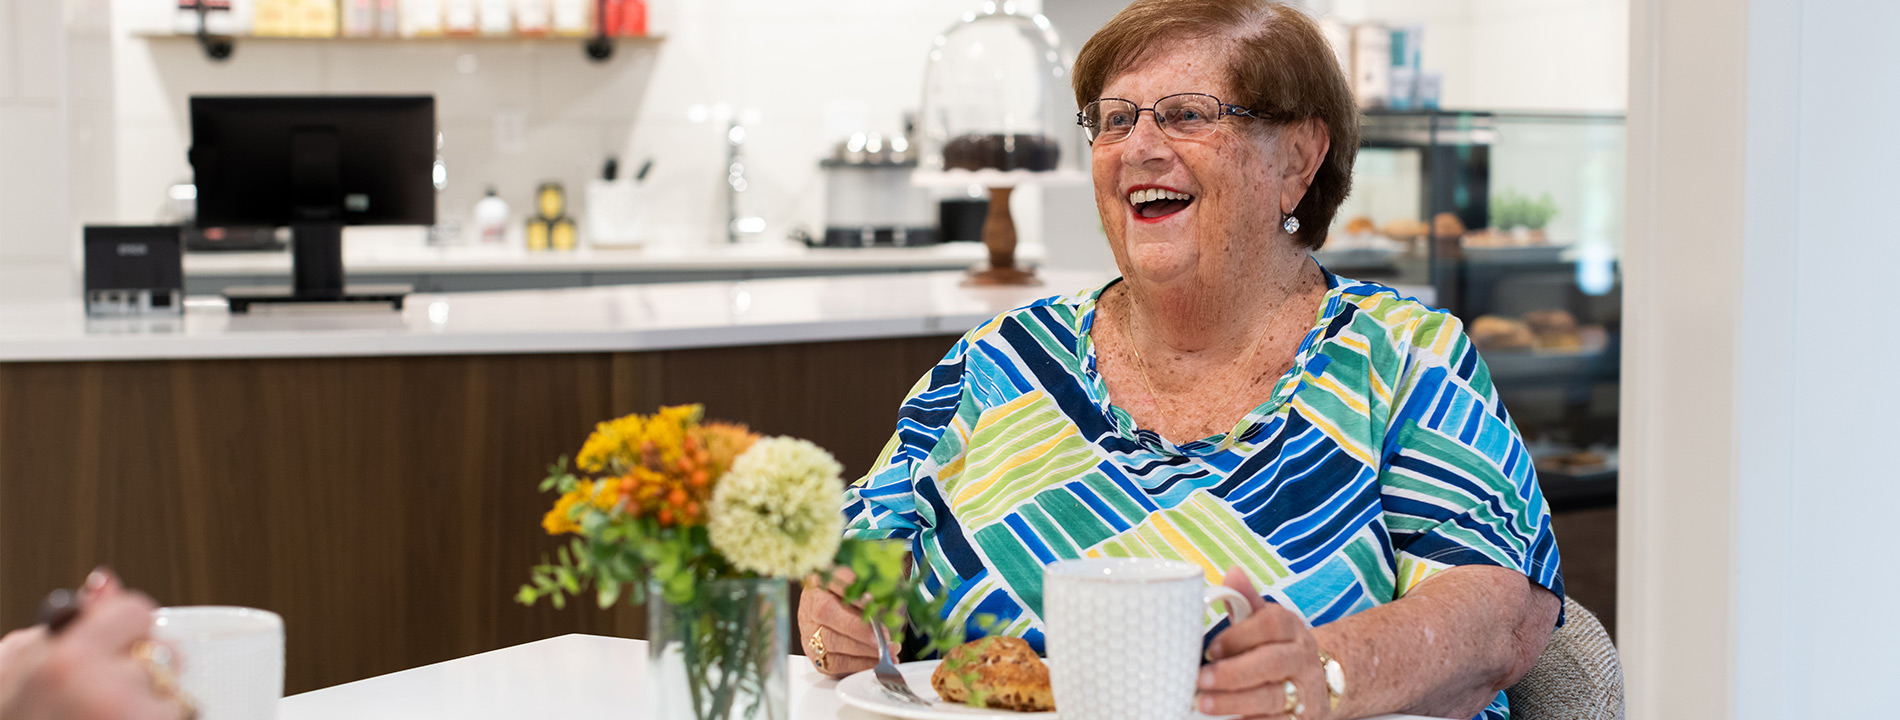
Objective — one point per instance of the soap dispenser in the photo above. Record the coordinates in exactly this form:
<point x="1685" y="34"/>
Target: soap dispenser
<point x="491" y="219"/>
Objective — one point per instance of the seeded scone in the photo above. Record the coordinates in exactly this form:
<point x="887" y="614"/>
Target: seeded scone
<point x="1001" y="672"/>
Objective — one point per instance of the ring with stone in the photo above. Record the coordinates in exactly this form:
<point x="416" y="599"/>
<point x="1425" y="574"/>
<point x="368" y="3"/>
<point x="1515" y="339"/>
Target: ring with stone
<point x="817" y="643"/>
<point x="1293" y="705"/>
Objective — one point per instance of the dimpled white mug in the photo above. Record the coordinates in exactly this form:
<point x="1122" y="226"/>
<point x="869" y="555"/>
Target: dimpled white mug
<point x="232" y="659"/>
<point x="1124" y="635"/>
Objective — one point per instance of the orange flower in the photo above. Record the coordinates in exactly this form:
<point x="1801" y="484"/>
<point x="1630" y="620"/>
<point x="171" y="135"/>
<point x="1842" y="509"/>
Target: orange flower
<point x="721" y="442"/>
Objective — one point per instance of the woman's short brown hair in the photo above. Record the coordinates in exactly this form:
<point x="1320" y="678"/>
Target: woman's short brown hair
<point x="1279" y="62"/>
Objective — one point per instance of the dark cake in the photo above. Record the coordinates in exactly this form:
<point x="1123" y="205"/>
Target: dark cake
<point x="1001" y="152"/>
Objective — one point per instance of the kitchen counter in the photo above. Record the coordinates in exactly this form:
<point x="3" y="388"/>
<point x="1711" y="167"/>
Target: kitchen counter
<point x="371" y="475"/>
<point x="387" y="258"/>
<point x="623" y="318"/>
<point x="394" y="258"/>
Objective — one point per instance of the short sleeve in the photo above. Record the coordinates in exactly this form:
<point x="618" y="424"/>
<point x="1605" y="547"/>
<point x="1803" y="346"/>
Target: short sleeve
<point x="883" y="504"/>
<point x="1457" y="484"/>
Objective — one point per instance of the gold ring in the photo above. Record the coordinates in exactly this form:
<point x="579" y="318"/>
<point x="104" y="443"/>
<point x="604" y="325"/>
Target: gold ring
<point x="158" y="660"/>
<point x="1293" y="705"/>
<point x="817" y="644"/>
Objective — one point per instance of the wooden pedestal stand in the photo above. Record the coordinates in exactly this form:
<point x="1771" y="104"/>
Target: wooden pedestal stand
<point x="999" y="236"/>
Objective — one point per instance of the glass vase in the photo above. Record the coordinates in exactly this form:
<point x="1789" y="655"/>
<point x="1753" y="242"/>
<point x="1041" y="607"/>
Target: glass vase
<point x="721" y="655"/>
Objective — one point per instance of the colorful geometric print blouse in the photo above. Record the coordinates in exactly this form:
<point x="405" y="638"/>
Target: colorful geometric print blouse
<point x="1383" y="456"/>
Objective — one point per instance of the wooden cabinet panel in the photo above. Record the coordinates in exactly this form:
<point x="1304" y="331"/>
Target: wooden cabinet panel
<point x="386" y="507"/>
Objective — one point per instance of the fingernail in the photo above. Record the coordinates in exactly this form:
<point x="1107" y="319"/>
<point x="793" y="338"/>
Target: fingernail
<point x="98" y="578"/>
<point x="1207" y="705"/>
<point x="1207" y="677"/>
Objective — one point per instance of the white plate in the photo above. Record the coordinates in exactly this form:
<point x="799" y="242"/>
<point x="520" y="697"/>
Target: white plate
<point x="862" y="691"/>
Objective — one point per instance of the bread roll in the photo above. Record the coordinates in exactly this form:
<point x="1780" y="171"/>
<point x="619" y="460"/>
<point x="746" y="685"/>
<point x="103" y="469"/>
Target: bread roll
<point x="1491" y="332"/>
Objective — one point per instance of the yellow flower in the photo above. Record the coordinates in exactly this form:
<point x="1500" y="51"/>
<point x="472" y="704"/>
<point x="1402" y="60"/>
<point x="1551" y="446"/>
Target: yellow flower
<point x="602" y="446"/>
<point x="600" y="495"/>
<point x="557" y="521"/>
<point x="656" y="441"/>
<point x="776" y="512"/>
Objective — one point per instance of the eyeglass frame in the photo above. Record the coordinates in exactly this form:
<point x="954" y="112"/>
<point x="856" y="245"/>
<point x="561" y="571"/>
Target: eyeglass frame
<point x="1226" y="110"/>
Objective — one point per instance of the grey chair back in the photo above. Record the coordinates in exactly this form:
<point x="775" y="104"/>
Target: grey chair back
<point x="1577" y="678"/>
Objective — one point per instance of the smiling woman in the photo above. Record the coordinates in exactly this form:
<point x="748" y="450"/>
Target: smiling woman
<point x="1326" y="446"/>
<point x="1283" y="72"/>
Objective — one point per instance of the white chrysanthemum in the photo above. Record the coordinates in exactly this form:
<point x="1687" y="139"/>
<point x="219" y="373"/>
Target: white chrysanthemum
<point x="776" y="512"/>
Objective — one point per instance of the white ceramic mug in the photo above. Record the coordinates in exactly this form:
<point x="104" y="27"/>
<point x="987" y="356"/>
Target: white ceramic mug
<point x="1124" y="635"/>
<point x="232" y="659"/>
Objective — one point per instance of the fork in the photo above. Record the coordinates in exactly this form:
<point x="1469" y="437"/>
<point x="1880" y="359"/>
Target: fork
<point x="888" y="676"/>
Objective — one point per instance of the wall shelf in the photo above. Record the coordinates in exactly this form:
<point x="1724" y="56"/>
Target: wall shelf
<point x="220" y="47"/>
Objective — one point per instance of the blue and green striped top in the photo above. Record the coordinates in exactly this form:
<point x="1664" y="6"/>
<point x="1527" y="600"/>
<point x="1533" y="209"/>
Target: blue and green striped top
<point x="1382" y="456"/>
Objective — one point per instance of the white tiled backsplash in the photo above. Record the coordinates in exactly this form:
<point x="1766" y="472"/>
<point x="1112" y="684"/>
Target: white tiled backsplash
<point x="514" y="114"/>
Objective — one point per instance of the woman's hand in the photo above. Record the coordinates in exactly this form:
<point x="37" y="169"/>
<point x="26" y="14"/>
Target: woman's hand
<point x="87" y="671"/>
<point x="834" y="633"/>
<point x="1253" y="660"/>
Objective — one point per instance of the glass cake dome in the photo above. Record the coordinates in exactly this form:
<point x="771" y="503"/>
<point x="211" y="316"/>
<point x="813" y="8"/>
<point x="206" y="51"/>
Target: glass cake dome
<point x="997" y="97"/>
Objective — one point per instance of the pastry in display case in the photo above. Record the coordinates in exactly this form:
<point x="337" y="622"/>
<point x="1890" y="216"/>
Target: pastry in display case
<point x="997" y="114"/>
<point x="1361" y="244"/>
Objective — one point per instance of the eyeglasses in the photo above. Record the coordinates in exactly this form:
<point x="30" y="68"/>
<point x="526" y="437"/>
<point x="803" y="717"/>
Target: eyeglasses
<point x="1182" y="116"/>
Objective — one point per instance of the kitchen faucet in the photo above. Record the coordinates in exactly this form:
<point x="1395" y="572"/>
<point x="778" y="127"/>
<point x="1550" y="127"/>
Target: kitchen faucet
<point x="736" y="184"/>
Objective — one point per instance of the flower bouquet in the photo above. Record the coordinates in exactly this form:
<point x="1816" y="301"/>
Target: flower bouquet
<point x="705" y="522"/>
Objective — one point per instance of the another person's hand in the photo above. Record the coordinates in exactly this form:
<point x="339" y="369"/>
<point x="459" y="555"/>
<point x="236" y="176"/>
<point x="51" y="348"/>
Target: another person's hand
<point x="88" y="670"/>
<point x="1253" y="660"/>
<point x="833" y="632"/>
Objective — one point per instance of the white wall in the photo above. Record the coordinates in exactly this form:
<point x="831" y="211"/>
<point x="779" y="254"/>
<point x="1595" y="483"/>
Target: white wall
<point x="792" y="69"/>
<point x="1569" y="55"/>
<point x="1825" y="464"/>
<point x="35" y="198"/>
<point x="1756" y="468"/>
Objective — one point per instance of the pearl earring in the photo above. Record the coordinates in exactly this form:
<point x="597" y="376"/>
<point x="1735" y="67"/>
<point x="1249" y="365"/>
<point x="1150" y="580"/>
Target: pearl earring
<point x="1291" y="225"/>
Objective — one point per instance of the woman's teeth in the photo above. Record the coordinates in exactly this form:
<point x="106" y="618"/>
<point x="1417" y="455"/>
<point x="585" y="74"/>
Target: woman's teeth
<point x="1155" y="203"/>
<point x="1152" y="194"/>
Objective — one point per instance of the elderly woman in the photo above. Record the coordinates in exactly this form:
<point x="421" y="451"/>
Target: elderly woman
<point x="1321" y="443"/>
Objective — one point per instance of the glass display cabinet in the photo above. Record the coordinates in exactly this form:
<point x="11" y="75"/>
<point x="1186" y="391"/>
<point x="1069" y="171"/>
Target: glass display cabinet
<point x="1516" y="222"/>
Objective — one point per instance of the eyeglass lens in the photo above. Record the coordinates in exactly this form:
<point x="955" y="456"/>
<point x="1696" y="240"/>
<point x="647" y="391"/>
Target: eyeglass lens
<point x="1180" y="116"/>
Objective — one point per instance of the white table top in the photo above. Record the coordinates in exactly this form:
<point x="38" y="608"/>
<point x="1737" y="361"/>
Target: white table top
<point x="572" y="676"/>
<point x="590" y="319"/>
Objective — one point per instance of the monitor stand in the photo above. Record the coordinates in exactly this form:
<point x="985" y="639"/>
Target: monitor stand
<point x="316" y="269"/>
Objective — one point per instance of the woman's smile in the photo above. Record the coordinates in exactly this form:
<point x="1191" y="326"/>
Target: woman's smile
<point x="1155" y="203"/>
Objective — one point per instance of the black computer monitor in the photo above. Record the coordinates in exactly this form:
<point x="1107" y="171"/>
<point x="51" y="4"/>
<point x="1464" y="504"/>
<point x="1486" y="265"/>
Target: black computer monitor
<point x="315" y="164"/>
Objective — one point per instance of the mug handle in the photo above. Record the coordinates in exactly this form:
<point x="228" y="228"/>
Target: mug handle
<point x="1238" y="608"/>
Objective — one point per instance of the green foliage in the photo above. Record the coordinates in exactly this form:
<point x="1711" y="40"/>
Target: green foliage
<point x="890" y="595"/>
<point x="1511" y="210"/>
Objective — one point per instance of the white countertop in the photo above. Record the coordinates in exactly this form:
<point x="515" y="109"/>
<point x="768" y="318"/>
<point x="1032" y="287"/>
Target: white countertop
<point x="413" y="258"/>
<point x="591" y="319"/>
<point x="572" y="676"/>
